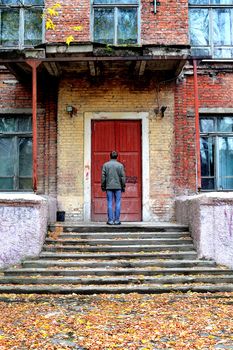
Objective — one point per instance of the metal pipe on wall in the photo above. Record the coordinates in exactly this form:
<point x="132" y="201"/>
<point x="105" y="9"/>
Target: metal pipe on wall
<point x="197" y="125"/>
<point x="34" y="64"/>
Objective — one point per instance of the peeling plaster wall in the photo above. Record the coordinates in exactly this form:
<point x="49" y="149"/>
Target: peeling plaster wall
<point x="210" y="219"/>
<point x="23" y="226"/>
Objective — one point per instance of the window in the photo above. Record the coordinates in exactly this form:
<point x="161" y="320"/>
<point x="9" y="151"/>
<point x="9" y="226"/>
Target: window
<point x="21" y="23"/>
<point x="116" y="21"/>
<point x="211" y="28"/>
<point x="15" y="153"/>
<point x="217" y="152"/>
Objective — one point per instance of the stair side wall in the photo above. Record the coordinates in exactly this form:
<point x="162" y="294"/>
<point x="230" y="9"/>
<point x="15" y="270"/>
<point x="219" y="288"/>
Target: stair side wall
<point x="210" y="219"/>
<point x="23" y="226"/>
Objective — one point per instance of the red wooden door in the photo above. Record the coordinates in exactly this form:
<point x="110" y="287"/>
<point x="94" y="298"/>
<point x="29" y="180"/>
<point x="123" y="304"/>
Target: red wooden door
<point x="124" y="136"/>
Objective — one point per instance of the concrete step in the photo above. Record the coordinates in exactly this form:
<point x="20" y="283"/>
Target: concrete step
<point x="117" y="259"/>
<point x="119" y="241"/>
<point x="112" y="235"/>
<point x="109" y="289"/>
<point x="119" y="248"/>
<point x="72" y="280"/>
<point x="116" y="263"/>
<point x="125" y="227"/>
<point x="114" y="271"/>
<point x="120" y="255"/>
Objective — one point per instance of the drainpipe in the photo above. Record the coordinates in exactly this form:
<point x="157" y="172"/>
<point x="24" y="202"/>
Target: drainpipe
<point x="34" y="64"/>
<point x="197" y="125"/>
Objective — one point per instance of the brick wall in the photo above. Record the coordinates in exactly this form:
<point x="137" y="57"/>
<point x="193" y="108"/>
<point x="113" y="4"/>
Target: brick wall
<point x="171" y="139"/>
<point x="13" y="94"/>
<point x="215" y="91"/>
<point x="72" y="13"/>
<point x="17" y="96"/>
<point x="169" y="26"/>
<point x="116" y="95"/>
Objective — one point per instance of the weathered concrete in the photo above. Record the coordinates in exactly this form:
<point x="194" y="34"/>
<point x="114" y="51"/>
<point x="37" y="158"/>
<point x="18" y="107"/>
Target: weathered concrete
<point x="23" y="226"/>
<point x="210" y="218"/>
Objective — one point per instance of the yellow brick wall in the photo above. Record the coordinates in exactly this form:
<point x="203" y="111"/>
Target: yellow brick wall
<point x="113" y="96"/>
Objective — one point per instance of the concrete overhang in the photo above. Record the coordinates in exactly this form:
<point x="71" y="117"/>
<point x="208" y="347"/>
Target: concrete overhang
<point x="96" y="59"/>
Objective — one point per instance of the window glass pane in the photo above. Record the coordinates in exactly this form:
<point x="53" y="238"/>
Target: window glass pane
<point x="225" y="124"/>
<point x="201" y="51"/>
<point x="9" y="27"/>
<point x="32" y="27"/>
<point x="199" y="27"/>
<point x="223" y="52"/>
<point x="208" y="183"/>
<point x="34" y="2"/>
<point x="8" y="124"/>
<point x="6" y="157"/>
<point x="207" y="125"/>
<point x="222" y="26"/>
<point x="10" y="2"/>
<point x="214" y="2"/>
<point x="25" y="157"/>
<point x="25" y="124"/>
<point x="116" y="2"/>
<point x="207" y="156"/>
<point x="222" y="2"/>
<point x="6" y="184"/>
<point x="127" y="26"/>
<point x="198" y="2"/>
<point x="104" y="25"/>
<point x="225" y="145"/>
<point x="21" y="2"/>
<point x="25" y="184"/>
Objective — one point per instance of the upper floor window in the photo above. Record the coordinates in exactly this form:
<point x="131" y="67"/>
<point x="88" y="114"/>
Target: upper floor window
<point x="216" y="152"/>
<point x="211" y="28"/>
<point x="20" y="23"/>
<point x="15" y="153"/>
<point x="116" y="21"/>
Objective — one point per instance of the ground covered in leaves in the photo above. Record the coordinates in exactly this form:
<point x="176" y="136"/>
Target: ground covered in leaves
<point x="127" y="322"/>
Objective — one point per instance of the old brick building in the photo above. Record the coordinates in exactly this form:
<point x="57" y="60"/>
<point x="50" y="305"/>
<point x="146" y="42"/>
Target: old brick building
<point x="153" y="80"/>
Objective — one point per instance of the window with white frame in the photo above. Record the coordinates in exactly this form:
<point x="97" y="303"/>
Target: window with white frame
<point x="15" y="153"/>
<point x="211" y="28"/>
<point x="21" y="23"/>
<point x="115" y="21"/>
<point x="216" y="143"/>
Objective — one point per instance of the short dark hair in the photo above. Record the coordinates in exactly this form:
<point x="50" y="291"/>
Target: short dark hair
<point x="113" y="155"/>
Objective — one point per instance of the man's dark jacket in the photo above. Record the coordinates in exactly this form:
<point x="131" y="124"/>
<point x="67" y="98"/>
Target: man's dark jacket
<point x="113" y="176"/>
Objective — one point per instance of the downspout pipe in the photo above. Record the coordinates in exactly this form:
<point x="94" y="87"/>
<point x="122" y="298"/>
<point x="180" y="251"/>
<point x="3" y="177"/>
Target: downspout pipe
<point x="34" y="64"/>
<point x="197" y="126"/>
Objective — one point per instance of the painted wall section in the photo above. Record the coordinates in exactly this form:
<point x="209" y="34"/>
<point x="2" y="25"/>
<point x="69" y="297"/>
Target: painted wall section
<point x="210" y="219"/>
<point x="23" y="226"/>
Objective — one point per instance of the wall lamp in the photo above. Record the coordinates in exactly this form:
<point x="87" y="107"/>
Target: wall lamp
<point x="160" y="111"/>
<point x="71" y="110"/>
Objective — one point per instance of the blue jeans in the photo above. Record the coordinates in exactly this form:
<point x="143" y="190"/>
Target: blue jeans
<point x="116" y="196"/>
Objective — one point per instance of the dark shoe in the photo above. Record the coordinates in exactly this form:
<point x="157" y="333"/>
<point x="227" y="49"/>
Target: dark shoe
<point x="110" y="223"/>
<point x="117" y="223"/>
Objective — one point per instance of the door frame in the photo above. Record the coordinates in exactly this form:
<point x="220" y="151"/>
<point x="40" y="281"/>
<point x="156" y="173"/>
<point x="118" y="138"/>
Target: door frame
<point x="144" y="117"/>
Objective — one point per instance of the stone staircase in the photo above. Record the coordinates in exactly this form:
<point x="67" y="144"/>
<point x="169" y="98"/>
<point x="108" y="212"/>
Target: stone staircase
<point x="117" y="259"/>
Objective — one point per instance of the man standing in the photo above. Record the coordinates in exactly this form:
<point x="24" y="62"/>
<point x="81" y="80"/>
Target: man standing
<point x="113" y="182"/>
